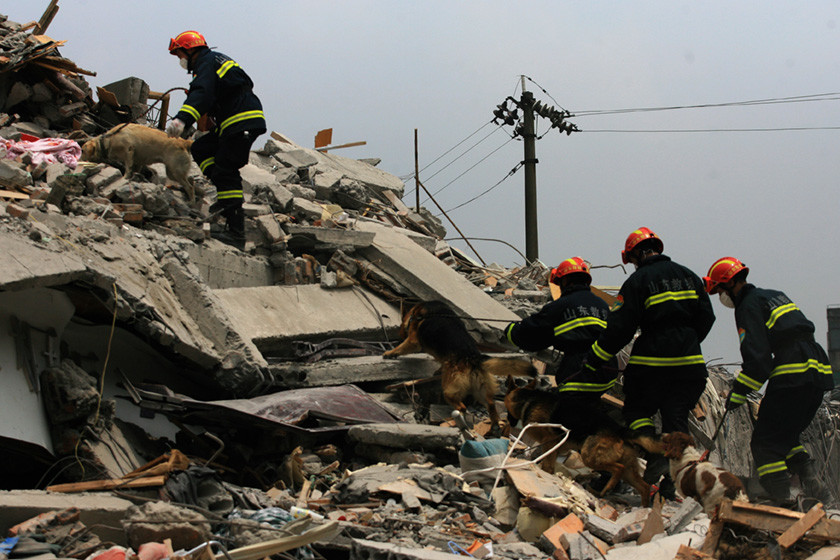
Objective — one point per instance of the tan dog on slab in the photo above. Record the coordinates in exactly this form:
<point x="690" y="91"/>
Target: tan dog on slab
<point x="135" y="145"/>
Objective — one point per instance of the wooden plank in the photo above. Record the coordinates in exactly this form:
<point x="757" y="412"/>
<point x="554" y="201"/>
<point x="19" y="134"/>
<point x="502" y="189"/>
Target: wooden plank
<point x="827" y="553"/>
<point x="710" y="544"/>
<point x="775" y="519"/>
<point x="108" y="484"/>
<point x="530" y="480"/>
<point x="688" y="553"/>
<point x="304" y="493"/>
<point x="800" y="527"/>
<point x="349" y="145"/>
<point x="47" y="17"/>
<point x="13" y="194"/>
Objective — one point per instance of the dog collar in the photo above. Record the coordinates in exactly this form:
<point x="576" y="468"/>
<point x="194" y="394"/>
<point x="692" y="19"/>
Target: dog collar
<point x="682" y="468"/>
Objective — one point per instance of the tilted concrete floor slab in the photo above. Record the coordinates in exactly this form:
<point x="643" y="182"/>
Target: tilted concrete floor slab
<point x="272" y="316"/>
<point x="430" y="278"/>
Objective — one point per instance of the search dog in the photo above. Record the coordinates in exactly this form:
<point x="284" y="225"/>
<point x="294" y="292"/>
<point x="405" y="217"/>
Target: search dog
<point x="704" y="481"/>
<point x="135" y="145"/>
<point x="432" y="327"/>
<point x="597" y="437"/>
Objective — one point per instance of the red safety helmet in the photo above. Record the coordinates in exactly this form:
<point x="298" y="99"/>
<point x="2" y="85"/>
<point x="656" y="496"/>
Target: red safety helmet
<point x="575" y="265"/>
<point x="641" y="234"/>
<point x="721" y="272"/>
<point x="187" y="40"/>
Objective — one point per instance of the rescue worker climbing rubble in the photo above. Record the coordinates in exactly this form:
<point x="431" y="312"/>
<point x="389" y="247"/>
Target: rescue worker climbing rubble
<point x="777" y="347"/>
<point x="570" y="324"/>
<point x="666" y="372"/>
<point x="221" y="89"/>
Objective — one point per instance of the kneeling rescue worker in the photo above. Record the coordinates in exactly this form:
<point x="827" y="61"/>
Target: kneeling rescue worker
<point x="222" y="90"/>
<point x="777" y="347"/>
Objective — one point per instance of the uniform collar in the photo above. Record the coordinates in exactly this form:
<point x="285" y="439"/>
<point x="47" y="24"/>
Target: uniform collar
<point x="575" y="288"/>
<point x="654" y="259"/>
<point x="743" y="293"/>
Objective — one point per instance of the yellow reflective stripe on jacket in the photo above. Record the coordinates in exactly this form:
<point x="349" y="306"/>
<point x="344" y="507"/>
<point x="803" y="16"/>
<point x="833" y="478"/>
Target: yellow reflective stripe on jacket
<point x="665" y="362"/>
<point x="770" y="468"/>
<point x="225" y="67"/>
<point x="670" y="296"/>
<point x="222" y="195"/>
<point x="579" y="322"/>
<point x="801" y="367"/>
<point x="509" y="333"/>
<point x="191" y="111"/>
<point x="796" y="451"/>
<point x="748" y="381"/>
<point x="641" y="423"/>
<point x="206" y="163"/>
<point x="600" y="352"/>
<point x="239" y="117"/>
<point x="778" y="312"/>
<point x="737" y="398"/>
<point x="587" y="387"/>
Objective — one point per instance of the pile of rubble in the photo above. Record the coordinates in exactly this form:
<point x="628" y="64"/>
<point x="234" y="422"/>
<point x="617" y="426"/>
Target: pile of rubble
<point x="165" y="395"/>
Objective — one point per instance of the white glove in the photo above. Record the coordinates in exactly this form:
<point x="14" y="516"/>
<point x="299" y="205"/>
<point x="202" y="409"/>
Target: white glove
<point x="175" y="128"/>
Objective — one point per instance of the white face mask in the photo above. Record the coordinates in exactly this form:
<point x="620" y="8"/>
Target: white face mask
<point x="184" y="63"/>
<point x="726" y="300"/>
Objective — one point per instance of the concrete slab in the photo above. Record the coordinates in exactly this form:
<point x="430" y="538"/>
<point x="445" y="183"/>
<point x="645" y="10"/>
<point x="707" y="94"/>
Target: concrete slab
<point x="272" y="316"/>
<point x="338" y="371"/>
<point x="429" y="278"/>
<point x="99" y="512"/>
<point x="26" y="264"/>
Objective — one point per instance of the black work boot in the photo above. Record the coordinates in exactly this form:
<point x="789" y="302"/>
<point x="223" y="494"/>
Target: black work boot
<point x="810" y="480"/>
<point x="777" y="486"/>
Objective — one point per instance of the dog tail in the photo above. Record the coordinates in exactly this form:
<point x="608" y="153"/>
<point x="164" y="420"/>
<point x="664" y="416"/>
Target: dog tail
<point x="503" y="367"/>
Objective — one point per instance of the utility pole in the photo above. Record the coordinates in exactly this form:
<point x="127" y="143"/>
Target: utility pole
<point x="525" y="127"/>
<point x="529" y="137"/>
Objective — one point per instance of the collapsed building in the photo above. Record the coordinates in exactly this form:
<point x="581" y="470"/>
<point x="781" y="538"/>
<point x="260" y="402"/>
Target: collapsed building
<point x="156" y="378"/>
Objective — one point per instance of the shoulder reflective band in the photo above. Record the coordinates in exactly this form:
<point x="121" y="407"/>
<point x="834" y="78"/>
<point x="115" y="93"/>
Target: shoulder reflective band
<point x="801" y="367"/>
<point x="239" y="117"/>
<point x="748" y="381"/>
<point x="509" y="333"/>
<point x="665" y="362"/>
<point x="579" y="322"/>
<point x="225" y="67"/>
<point x="670" y="296"/>
<point x="778" y="312"/>
<point x="770" y="468"/>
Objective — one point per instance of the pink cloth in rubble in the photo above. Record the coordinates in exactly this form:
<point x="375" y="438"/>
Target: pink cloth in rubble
<point x="50" y="150"/>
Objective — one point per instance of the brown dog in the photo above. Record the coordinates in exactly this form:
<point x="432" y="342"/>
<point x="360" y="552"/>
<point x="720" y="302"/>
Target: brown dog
<point x="592" y="432"/>
<point x="606" y="451"/>
<point x="698" y="479"/>
<point x="135" y="145"/>
<point x="432" y="327"/>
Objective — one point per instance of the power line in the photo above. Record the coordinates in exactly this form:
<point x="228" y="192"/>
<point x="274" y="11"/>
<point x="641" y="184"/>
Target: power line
<point x="690" y="130"/>
<point x="510" y="174"/>
<point x="411" y="175"/>
<point x="834" y="96"/>
<point x="470" y="168"/>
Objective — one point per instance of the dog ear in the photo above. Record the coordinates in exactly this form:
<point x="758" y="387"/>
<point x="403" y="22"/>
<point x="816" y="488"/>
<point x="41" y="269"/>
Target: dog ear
<point x="532" y="384"/>
<point x="510" y="383"/>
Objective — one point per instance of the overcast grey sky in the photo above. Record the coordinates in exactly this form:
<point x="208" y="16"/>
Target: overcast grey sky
<point x="376" y="70"/>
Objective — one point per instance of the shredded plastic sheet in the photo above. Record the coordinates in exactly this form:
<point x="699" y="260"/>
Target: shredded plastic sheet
<point x="50" y="150"/>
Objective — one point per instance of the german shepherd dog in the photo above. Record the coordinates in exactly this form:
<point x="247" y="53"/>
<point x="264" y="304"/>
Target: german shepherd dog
<point x="597" y="437"/>
<point x="432" y="327"/>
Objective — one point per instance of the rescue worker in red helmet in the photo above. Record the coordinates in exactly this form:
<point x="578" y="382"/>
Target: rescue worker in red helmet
<point x="666" y="371"/>
<point x="221" y="89"/>
<point x="778" y="348"/>
<point x="570" y="324"/>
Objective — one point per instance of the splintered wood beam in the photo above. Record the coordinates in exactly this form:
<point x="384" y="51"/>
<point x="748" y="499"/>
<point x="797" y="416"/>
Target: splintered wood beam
<point x="800" y="527"/>
<point x="108" y="484"/>
<point x="775" y="519"/>
<point x="350" y="145"/>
